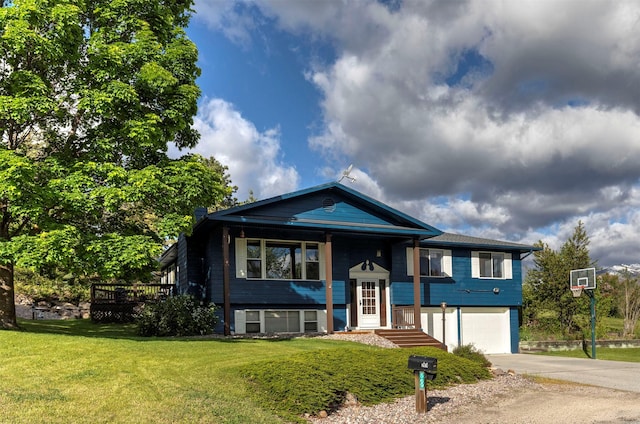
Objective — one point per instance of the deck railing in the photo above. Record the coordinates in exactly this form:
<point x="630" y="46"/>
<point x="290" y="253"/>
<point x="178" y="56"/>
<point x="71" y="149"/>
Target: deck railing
<point x="118" y="302"/>
<point x="403" y="317"/>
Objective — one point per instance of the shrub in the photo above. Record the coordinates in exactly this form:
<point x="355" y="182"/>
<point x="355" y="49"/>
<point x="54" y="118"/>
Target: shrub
<point x="176" y="316"/>
<point x="469" y="351"/>
<point x="310" y="382"/>
<point x="58" y="287"/>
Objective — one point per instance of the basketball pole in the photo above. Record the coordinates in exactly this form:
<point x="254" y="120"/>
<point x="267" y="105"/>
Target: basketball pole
<point x="593" y="322"/>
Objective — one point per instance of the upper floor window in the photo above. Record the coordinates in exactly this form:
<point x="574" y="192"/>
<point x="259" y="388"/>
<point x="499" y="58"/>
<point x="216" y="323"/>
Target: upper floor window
<point x="491" y="265"/>
<point x="433" y="262"/>
<point x="496" y="265"/>
<point x="277" y="259"/>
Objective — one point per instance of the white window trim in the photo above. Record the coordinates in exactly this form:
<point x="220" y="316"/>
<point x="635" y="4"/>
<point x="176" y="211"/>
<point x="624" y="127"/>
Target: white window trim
<point x="241" y="259"/>
<point x="507" y="265"/>
<point x="447" y="265"/>
<point x="241" y="319"/>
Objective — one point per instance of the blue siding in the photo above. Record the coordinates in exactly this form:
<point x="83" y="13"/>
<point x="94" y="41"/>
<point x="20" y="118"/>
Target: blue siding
<point x="461" y="289"/>
<point x="312" y="207"/>
<point x="205" y="268"/>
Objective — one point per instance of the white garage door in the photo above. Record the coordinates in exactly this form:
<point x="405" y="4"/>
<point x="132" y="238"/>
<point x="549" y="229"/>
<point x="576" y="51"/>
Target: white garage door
<point x="487" y="328"/>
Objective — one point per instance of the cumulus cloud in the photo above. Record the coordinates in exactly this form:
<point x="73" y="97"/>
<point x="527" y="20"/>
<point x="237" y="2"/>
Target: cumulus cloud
<point x="505" y="119"/>
<point x="254" y="158"/>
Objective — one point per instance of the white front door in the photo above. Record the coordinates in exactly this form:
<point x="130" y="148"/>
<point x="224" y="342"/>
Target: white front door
<point x="368" y="303"/>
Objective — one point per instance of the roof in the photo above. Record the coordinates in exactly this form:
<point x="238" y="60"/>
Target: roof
<point x="477" y="242"/>
<point x="306" y="209"/>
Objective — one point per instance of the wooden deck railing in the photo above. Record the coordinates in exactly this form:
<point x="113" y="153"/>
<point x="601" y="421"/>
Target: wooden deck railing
<point x="136" y="293"/>
<point x="402" y="317"/>
<point x="118" y="302"/>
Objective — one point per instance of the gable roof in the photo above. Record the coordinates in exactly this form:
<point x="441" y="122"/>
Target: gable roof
<point x="329" y="207"/>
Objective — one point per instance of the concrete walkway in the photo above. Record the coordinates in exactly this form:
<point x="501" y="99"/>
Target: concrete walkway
<point x="611" y="374"/>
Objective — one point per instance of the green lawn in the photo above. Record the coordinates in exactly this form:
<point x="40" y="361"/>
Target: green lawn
<point x="611" y="354"/>
<point x="75" y="371"/>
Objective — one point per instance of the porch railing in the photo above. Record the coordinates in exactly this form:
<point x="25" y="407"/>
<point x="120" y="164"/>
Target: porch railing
<point x="136" y="293"/>
<point x="402" y="317"/>
<point x="118" y="302"/>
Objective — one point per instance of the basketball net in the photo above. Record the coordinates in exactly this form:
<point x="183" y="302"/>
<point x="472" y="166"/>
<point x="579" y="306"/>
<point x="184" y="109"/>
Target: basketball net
<point x="576" y="291"/>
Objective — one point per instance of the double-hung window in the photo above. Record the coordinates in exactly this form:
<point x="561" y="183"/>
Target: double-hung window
<point x="491" y="265"/>
<point x="278" y="259"/>
<point x="433" y="262"/>
<point x="495" y="265"/>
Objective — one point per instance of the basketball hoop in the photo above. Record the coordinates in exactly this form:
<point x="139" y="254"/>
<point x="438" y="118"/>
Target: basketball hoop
<point x="576" y="291"/>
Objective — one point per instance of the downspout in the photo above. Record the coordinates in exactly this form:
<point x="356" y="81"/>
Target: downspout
<point x="459" y="326"/>
<point x="527" y="254"/>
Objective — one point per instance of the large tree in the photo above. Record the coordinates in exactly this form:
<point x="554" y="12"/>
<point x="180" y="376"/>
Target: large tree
<point x="625" y="289"/>
<point x="546" y="287"/>
<point x="91" y="93"/>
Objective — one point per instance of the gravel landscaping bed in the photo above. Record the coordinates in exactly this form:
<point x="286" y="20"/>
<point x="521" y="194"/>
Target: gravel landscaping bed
<point x="441" y="403"/>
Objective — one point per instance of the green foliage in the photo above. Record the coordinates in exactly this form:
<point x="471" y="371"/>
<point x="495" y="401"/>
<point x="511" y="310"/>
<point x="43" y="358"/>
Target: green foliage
<point x="469" y="351"/>
<point x="64" y="288"/>
<point x="319" y="380"/>
<point x="547" y="301"/>
<point x="176" y="316"/>
<point x="624" y="297"/>
<point x="91" y="95"/>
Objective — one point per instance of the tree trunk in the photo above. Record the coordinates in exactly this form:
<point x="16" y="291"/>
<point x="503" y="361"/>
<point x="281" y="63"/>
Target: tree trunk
<point x="7" y="298"/>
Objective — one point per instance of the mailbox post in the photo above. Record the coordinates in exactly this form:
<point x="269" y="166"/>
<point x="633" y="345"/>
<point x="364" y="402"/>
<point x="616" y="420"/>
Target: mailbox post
<point x="424" y="369"/>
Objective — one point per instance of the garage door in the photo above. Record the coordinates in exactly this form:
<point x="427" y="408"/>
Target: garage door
<point x="487" y="328"/>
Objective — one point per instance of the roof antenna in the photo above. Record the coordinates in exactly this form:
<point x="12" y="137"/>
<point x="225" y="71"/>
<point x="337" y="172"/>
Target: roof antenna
<point x="345" y="174"/>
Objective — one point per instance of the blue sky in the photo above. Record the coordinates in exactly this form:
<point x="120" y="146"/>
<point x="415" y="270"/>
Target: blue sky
<point x="500" y="119"/>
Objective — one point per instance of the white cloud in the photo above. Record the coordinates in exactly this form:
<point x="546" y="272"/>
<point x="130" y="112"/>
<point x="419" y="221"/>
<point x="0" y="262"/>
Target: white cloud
<point x="541" y="131"/>
<point x="254" y="158"/>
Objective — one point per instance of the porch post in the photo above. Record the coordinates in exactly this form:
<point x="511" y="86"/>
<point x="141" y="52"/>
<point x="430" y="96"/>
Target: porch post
<point x="329" y="282"/>
<point x="225" y="280"/>
<point x="416" y="285"/>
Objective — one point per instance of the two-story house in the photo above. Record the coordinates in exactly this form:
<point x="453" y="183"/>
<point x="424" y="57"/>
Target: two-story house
<point x="329" y="258"/>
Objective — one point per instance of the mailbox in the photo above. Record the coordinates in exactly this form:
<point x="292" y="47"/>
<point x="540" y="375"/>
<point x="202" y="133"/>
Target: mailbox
<point x="424" y="363"/>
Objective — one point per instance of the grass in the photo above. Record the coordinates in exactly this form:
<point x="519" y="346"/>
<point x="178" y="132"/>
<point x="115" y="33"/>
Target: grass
<point x="73" y="371"/>
<point x="611" y="328"/>
<point x="610" y="354"/>
<point x="77" y="371"/>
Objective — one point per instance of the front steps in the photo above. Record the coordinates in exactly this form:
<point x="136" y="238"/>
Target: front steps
<point x="410" y="338"/>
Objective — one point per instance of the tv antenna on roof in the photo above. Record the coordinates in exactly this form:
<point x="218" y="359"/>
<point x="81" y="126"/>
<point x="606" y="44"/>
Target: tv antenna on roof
<point x="345" y="174"/>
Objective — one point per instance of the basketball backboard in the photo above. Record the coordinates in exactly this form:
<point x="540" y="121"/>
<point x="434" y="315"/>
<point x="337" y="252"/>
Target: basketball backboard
<point x="582" y="279"/>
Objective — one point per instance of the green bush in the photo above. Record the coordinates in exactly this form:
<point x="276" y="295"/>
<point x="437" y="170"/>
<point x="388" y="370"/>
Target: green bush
<point x="176" y="316"/>
<point x="469" y="351"/>
<point x="63" y="288"/>
<point x="319" y="380"/>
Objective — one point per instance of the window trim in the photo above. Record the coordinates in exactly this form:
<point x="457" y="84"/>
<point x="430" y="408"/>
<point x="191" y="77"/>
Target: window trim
<point x="447" y="265"/>
<point x="242" y="258"/>
<point x="241" y="320"/>
<point x="507" y="265"/>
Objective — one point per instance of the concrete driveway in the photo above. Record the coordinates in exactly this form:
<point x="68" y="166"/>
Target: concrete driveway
<point x="611" y="374"/>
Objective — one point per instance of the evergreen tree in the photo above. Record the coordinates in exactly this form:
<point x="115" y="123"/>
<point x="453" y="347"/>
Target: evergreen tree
<point x="547" y="285"/>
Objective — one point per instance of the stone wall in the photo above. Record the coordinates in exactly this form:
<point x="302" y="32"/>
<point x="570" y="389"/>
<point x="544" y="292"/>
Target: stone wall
<point x="27" y="309"/>
<point x="549" y="346"/>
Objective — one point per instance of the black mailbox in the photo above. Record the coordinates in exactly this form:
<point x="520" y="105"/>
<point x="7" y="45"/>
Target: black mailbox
<point x="424" y="363"/>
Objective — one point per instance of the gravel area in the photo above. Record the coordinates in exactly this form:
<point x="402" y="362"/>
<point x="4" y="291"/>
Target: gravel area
<point x="441" y="403"/>
<point x="508" y="398"/>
